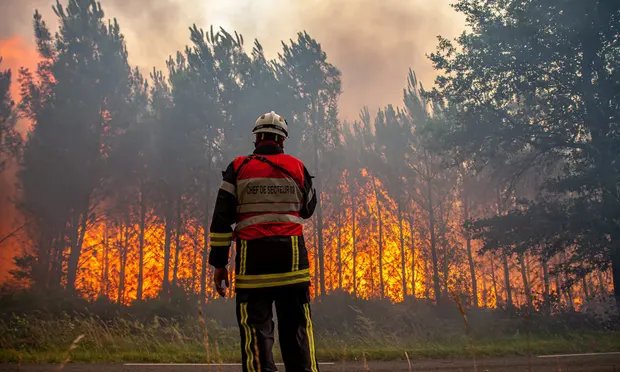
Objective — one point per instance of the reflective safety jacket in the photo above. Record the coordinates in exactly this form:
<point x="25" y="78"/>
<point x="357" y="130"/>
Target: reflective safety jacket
<point x="266" y="195"/>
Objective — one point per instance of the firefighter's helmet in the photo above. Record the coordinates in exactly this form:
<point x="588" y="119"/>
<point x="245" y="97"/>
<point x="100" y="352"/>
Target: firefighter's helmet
<point x="271" y="123"/>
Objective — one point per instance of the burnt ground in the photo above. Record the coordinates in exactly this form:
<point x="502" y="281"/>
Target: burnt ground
<point x="588" y="363"/>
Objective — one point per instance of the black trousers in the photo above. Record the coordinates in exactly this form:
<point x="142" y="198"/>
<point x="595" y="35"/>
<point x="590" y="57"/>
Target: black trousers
<point x="255" y="318"/>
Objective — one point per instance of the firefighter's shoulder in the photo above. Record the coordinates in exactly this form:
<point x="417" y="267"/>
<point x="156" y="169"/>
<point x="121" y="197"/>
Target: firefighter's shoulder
<point x="292" y="159"/>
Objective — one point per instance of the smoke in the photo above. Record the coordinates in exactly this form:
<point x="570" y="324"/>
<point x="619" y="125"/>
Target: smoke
<point x="374" y="43"/>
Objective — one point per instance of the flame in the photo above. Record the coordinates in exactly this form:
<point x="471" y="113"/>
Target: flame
<point x="111" y="244"/>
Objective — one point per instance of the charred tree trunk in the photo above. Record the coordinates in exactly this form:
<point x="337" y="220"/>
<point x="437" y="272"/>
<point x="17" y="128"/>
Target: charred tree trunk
<point x="167" y="242"/>
<point x="315" y="260"/>
<point x="568" y="286"/>
<point x="413" y="262"/>
<point x="470" y="256"/>
<point x="77" y="232"/>
<point x="601" y="283"/>
<point x="205" y="249"/>
<point x="380" y="221"/>
<point x="509" y="303"/>
<point x="402" y="250"/>
<point x="484" y="290"/>
<point x="494" y="281"/>
<point x="141" y="243"/>
<point x="427" y="273"/>
<point x="547" y="288"/>
<point x="124" y="245"/>
<point x="339" y="252"/>
<point x="526" y="283"/>
<point x="354" y="247"/>
<point x="177" y="241"/>
<point x="586" y="291"/>
<point x="105" y="267"/>
<point x="444" y="248"/>
<point x="431" y="219"/>
<point x="318" y="110"/>
<point x="558" y="287"/>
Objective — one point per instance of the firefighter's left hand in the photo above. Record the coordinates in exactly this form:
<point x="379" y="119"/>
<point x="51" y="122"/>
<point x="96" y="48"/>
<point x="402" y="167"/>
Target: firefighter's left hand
<point x="221" y="275"/>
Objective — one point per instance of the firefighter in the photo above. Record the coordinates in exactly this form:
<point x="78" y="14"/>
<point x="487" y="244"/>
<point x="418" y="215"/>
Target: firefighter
<point x="267" y="195"/>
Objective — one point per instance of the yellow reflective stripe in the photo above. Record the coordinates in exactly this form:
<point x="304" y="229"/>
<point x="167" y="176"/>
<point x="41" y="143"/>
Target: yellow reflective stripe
<point x="248" y="337"/>
<point x="272" y="284"/>
<point x="273" y="276"/>
<point x="244" y="255"/>
<point x="256" y="350"/>
<point x="228" y="187"/>
<point x="310" y="335"/>
<point x="220" y="244"/>
<point x="295" y="242"/>
<point x="215" y="235"/>
<point x="268" y="207"/>
<point x="264" y="218"/>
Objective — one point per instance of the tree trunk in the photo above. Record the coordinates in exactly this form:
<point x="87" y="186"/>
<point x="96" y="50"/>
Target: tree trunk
<point x="435" y="262"/>
<point x="546" y="289"/>
<point x="205" y="249"/>
<point x="427" y="273"/>
<point x="177" y="241"/>
<point x="568" y="290"/>
<point x="526" y="283"/>
<point x="122" y="261"/>
<point x="485" y="299"/>
<point x="615" y="269"/>
<point x="402" y="250"/>
<point x="411" y="227"/>
<point x="106" y="261"/>
<point x="380" y="221"/>
<point x="141" y="244"/>
<point x="444" y="248"/>
<point x="494" y="282"/>
<point x="586" y="291"/>
<point x="509" y="303"/>
<point x="76" y="248"/>
<point x="315" y="260"/>
<point x="339" y="252"/>
<point x="354" y="248"/>
<point x="319" y="207"/>
<point x="470" y="256"/>
<point x="601" y="283"/>
<point x="167" y="241"/>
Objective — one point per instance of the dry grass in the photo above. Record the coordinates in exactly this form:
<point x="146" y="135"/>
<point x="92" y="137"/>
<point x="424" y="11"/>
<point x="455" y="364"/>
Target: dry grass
<point x="30" y="339"/>
<point x="67" y="357"/>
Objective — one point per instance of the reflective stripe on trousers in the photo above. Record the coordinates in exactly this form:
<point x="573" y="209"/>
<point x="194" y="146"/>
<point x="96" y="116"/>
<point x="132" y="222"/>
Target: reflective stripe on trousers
<point x="272" y="280"/>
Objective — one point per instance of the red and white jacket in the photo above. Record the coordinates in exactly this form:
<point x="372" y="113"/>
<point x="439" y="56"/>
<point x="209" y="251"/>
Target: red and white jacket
<point x="266" y="195"/>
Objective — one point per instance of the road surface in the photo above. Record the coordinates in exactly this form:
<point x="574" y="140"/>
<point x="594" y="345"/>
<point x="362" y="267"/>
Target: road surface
<point x="566" y="363"/>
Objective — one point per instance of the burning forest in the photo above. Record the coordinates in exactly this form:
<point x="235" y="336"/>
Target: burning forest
<point x="477" y="189"/>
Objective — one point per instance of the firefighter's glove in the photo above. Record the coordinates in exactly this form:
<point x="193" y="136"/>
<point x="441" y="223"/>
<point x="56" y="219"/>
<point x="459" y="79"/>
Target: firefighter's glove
<point x="221" y="275"/>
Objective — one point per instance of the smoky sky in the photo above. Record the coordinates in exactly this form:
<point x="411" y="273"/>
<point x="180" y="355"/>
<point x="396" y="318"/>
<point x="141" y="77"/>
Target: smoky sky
<point x="373" y="43"/>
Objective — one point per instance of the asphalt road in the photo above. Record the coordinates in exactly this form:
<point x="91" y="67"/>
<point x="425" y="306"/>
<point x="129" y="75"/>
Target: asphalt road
<point x="583" y="363"/>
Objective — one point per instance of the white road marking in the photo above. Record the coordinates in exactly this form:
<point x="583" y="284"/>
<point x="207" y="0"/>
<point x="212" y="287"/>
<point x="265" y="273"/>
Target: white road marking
<point x="578" y="355"/>
<point x="197" y="364"/>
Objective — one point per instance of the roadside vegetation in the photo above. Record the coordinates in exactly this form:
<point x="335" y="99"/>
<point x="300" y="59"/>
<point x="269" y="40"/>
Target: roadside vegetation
<point x="346" y="329"/>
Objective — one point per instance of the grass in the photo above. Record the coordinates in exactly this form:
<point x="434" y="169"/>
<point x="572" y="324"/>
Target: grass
<point x="345" y="329"/>
<point x="116" y="350"/>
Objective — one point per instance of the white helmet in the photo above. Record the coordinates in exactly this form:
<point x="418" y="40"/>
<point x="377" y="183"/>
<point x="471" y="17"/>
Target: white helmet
<point x="271" y="123"/>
